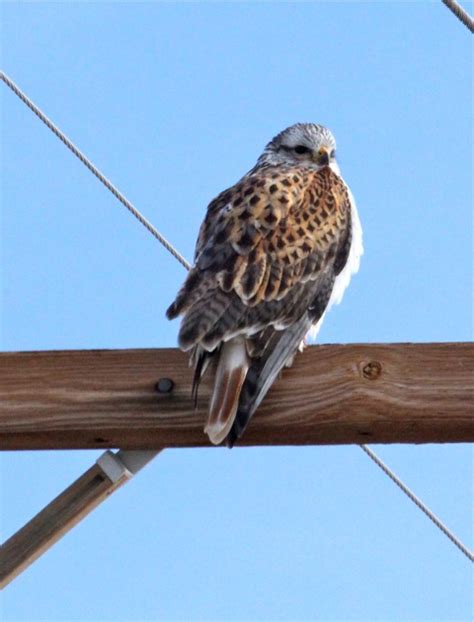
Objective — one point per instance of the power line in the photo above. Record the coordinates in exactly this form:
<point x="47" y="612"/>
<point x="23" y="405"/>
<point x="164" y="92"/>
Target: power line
<point x="93" y="169"/>
<point x="460" y="13"/>
<point x="187" y="265"/>
<point x="373" y="456"/>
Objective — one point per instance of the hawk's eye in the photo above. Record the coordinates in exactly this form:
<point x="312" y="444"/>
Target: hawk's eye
<point x="333" y="153"/>
<point x="301" y="149"/>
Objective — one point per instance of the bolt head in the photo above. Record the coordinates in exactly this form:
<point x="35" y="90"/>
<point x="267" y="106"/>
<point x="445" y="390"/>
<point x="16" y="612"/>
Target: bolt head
<point x="164" y="385"/>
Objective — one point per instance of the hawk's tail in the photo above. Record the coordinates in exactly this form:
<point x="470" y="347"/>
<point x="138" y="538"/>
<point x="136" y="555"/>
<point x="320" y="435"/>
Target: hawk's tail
<point x="263" y="372"/>
<point x="231" y="371"/>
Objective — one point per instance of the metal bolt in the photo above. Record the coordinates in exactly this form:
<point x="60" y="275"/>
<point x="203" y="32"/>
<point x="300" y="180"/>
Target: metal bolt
<point x="164" y="385"/>
<point x="372" y="370"/>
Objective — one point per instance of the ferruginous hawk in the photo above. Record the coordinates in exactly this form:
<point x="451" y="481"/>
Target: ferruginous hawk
<point x="274" y="252"/>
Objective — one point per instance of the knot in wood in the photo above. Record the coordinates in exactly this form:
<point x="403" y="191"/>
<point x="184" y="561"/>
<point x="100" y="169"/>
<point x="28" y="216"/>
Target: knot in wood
<point x="372" y="370"/>
<point x="164" y="385"/>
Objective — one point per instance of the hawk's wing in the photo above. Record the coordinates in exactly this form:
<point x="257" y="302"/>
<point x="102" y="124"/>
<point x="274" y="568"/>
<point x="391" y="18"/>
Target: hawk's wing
<point x="266" y="259"/>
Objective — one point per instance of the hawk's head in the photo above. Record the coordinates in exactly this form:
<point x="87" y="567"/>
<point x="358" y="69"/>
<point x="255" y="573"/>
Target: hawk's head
<point x="303" y="144"/>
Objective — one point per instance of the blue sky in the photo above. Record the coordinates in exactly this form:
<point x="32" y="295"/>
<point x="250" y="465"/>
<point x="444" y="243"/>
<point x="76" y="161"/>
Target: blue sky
<point x="175" y="102"/>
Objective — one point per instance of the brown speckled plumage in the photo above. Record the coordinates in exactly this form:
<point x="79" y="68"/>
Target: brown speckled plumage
<point x="262" y="251"/>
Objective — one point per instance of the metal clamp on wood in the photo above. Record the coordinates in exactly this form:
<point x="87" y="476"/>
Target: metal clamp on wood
<point x="125" y="463"/>
<point x="113" y="467"/>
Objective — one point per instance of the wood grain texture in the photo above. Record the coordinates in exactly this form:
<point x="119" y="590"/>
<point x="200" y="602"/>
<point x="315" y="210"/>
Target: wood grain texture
<point x="56" y="519"/>
<point x="362" y="393"/>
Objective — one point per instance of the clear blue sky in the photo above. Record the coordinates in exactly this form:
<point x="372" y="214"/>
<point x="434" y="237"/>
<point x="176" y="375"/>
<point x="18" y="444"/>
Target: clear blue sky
<point x="175" y="102"/>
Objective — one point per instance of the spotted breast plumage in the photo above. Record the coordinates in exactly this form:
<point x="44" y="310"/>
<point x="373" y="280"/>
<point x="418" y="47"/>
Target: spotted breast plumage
<point x="274" y="252"/>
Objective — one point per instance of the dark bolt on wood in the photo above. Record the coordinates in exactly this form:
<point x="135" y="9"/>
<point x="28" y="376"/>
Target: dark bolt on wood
<point x="164" y="385"/>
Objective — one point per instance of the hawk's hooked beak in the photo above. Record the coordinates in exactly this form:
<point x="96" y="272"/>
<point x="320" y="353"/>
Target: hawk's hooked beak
<point x="322" y="156"/>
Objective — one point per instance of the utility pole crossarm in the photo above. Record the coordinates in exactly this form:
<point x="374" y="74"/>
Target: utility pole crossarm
<point x="333" y="394"/>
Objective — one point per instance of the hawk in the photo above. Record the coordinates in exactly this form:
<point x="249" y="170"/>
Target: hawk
<point x="274" y="252"/>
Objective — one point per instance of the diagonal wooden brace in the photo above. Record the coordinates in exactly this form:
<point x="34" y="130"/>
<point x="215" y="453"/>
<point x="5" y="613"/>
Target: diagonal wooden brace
<point x="110" y="472"/>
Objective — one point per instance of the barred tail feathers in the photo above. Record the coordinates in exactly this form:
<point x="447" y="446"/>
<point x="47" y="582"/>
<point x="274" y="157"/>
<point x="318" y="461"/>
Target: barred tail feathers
<point x="231" y="372"/>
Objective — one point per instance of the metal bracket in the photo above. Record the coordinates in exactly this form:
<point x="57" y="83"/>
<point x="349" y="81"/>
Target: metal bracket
<point x="113" y="467"/>
<point x="124" y="463"/>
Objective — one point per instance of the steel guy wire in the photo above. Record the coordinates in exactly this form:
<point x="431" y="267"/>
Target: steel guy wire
<point x="418" y="502"/>
<point x="460" y="13"/>
<point x="94" y="170"/>
<point x="26" y="100"/>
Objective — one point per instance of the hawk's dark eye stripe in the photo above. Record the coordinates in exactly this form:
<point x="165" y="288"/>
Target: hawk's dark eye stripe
<point x="301" y="149"/>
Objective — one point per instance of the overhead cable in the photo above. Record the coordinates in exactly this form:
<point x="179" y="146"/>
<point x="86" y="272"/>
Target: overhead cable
<point x="93" y="169"/>
<point x="460" y="13"/>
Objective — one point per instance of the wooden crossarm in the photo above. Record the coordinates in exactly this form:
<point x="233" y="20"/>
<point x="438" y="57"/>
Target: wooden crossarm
<point x="362" y="393"/>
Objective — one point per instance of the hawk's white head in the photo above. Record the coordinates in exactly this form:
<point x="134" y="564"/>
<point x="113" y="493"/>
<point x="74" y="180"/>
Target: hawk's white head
<point x="303" y="144"/>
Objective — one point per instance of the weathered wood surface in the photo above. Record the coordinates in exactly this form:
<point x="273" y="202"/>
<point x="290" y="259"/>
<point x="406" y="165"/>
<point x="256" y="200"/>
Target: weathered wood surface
<point x="334" y="394"/>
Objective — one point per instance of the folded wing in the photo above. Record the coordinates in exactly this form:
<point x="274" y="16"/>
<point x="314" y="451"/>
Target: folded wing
<point x="267" y="256"/>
